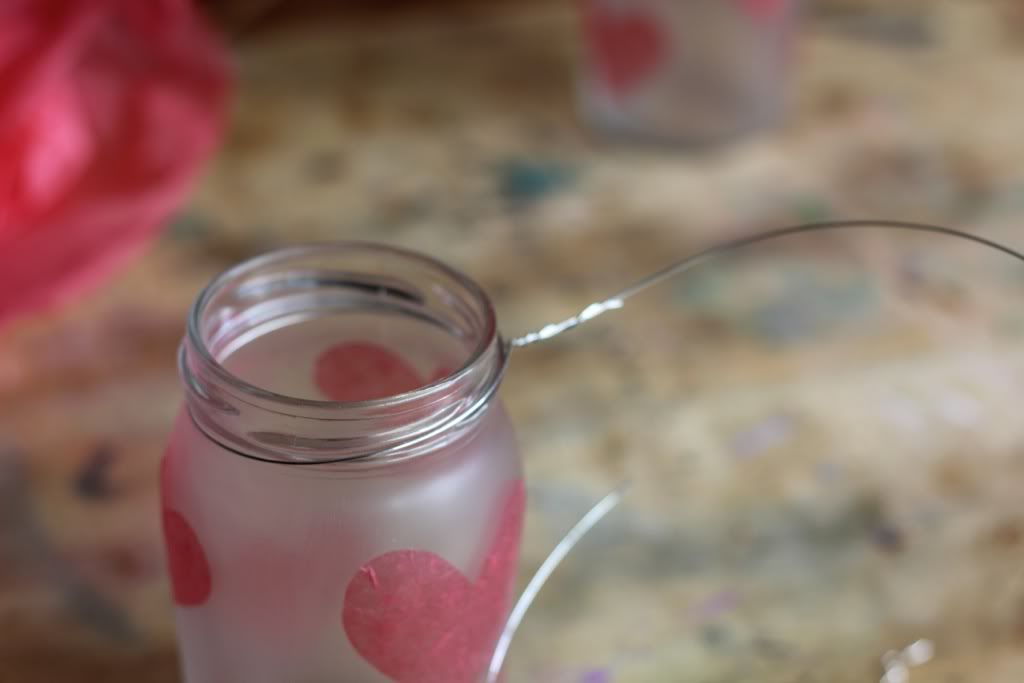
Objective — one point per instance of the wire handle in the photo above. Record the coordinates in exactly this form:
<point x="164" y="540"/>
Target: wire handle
<point x="547" y="568"/>
<point x="618" y="300"/>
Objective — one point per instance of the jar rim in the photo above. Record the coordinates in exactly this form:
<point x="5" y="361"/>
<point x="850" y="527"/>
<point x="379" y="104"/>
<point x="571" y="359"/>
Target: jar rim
<point x="198" y="343"/>
<point x="291" y="429"/>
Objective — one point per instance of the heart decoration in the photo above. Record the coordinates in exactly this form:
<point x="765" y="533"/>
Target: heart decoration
<point x="363" y="371"/>
<point x="191" y="581"/>
<point x="190" y="572"/>
<point x="627" y="45"/>
<point x="418" y="619"/>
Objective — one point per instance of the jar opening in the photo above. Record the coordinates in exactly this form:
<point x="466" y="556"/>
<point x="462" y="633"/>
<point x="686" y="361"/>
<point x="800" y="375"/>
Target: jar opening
<point x="336" y="352"/>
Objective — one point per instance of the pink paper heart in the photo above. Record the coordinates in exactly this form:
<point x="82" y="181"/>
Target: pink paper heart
<point x="190" y="572"/>
<point x="418" y="619"/>
<point x="191" y="580"/>
<point x="627" y="45"/>
<point x="363" y="371"/>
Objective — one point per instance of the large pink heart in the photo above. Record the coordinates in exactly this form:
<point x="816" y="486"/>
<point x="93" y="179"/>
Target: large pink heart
<point x="418" y="619"/>
<point x="626" y="45"/>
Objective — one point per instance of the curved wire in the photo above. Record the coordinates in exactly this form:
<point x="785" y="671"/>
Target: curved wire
<point x="598" y="512"/>
<point x="618" y="300"/>
<point x="547" y="568"/>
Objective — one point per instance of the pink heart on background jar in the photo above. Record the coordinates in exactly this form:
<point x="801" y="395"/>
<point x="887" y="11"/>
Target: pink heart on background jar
<point x="418" y="619"/>
<point x="627" y="45"/>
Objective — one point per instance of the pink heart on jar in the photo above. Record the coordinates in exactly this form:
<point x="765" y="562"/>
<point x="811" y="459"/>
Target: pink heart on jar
<point x="418" y="619"/>
<point x="190" y="572"/>
<point x="626" y="45"/>
<point x="191" y="579"/>
<point x="363" y="371"/>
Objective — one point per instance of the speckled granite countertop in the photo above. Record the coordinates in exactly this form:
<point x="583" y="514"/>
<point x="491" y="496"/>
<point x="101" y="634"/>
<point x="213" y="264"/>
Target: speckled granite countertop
<point x="824" y="440"/>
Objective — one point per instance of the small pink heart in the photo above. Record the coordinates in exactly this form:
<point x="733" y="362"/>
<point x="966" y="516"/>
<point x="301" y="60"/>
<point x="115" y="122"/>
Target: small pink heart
<point x="191" y="580"/>
<point x="627" y="45"/>
<point x="363" y="371"/>
<point x="418" y="619"/>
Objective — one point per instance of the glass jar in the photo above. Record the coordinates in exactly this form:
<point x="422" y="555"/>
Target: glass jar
<point x="342" y="494"/>
<point x="690" y="72"/>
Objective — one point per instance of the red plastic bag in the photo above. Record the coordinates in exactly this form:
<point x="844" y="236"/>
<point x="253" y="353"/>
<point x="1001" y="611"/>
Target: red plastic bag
<point x="107" y="110"/>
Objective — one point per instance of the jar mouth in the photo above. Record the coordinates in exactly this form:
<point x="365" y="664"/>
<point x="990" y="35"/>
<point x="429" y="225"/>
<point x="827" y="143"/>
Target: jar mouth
<point x="425" y="301"/>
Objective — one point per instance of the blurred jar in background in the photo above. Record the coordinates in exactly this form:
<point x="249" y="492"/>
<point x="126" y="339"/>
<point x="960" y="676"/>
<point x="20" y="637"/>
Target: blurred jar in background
<point x="689" y="72"/>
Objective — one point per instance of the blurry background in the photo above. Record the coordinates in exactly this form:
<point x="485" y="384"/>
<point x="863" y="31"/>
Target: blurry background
<point x="824" y="438"/>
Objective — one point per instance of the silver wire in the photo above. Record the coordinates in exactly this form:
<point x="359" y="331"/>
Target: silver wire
<point x="618" y="300"/>
<point x="894" y="663"/>
<point x="897" y="665"/>
<point x="558" y="554"/>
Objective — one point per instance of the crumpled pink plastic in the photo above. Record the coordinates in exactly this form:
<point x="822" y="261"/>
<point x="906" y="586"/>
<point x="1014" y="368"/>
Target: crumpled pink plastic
<point x="107" y="110"/>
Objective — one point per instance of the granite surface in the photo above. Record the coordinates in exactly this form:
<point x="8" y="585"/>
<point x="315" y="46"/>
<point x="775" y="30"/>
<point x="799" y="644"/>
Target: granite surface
<point x="823" y="437"/>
